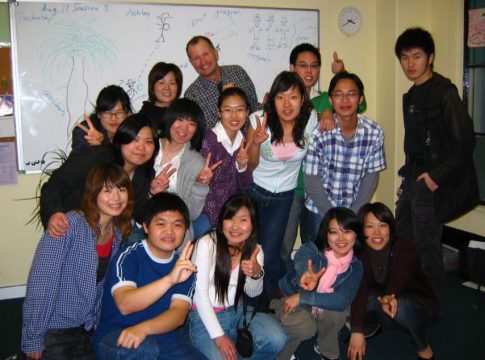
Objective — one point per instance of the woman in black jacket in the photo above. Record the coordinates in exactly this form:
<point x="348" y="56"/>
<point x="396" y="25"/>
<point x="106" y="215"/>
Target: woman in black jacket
<point x="394" y="291"/>
<point x="134" y="147"/>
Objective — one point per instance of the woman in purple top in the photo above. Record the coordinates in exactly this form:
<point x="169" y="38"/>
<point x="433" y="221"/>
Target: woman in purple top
<point x="226" y="142"/>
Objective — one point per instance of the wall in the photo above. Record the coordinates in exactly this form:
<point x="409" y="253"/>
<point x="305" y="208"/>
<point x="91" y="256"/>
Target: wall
<point x="369" y="54"/>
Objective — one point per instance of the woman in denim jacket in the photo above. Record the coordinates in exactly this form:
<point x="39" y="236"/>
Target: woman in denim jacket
<point x="319" y="289"/>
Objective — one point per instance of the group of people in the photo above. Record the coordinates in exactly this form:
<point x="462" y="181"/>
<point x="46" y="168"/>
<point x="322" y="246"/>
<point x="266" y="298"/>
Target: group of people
<point x="167" y="227"/>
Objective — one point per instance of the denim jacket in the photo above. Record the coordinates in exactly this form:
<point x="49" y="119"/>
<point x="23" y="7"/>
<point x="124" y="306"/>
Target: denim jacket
<point x="345" y="286"/>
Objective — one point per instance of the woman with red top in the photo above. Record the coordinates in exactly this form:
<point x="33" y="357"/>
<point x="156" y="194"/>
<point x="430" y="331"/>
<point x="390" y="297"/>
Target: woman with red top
<point x="65" y="284"/>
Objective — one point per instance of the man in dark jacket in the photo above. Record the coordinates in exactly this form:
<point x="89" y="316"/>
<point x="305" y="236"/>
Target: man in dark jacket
<point x="439" y="180"/>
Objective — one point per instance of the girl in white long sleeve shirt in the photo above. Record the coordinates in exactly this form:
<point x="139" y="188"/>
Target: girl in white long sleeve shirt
<point x="230" y="263"/>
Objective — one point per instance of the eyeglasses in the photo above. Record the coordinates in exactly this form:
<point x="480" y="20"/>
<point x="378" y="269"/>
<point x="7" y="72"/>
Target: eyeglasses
<point x="340" y="95"/>
<point x="306" y="66"/>
<point x="230" y="111"/>
<point x="118" y="114"/>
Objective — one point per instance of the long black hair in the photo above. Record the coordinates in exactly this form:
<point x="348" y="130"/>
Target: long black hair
<point x="283" y="82"/>
<point x="223" y="256"/>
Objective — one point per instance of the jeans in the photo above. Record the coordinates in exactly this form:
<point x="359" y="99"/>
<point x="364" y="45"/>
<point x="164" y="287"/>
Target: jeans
<point x="311" y="223"/>
<point x="268" y="336"/>
<point x="412" y="316"/>
<point x="149" y="349"/>
<point x="273" y="210"/>
<point x="72" y="343"/>
<point x="416" y="220"/>
<point x="295" y="218"/>
<point x="201" y="225"/>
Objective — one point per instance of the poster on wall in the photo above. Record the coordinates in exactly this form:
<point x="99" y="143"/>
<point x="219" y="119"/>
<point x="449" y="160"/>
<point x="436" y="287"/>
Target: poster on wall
<point x="476" y="28"/>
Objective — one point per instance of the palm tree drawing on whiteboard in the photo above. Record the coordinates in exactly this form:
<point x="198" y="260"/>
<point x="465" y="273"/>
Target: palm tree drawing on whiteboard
<point x="69" y="51"/>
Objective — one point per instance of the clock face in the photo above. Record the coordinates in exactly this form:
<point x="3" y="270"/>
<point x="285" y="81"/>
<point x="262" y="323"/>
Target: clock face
<point x="349" y="20"/>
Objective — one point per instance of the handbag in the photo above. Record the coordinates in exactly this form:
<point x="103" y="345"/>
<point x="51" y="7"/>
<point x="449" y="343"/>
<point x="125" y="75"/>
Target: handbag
<point x="244" y="339"/>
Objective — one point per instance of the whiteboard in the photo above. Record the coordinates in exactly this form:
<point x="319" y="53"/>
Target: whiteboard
<point x="65" y="53"/>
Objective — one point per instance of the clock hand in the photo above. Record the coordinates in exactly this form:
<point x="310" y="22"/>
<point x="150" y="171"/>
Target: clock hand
<point x="351" y="21"/>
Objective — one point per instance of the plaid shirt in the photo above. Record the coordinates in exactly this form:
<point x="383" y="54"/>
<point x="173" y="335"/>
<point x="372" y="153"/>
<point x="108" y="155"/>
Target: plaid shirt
<point x="342" y="167"/>
<point x="206" y="93"/>
<point x="61" y="290"/>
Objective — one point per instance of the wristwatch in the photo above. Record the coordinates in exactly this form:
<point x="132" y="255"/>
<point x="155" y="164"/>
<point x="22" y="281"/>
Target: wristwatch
<point x="259" y="276"/>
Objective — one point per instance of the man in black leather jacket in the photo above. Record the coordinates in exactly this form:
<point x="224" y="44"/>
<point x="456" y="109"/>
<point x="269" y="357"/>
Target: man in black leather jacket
<point x="439" y="180"/>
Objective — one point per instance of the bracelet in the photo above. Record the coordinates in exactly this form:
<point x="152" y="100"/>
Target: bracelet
<point x="259" y="276"/>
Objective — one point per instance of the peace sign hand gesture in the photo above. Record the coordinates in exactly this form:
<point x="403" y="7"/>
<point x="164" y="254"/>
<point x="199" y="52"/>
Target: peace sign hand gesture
<point x="93" y="136"/>
<point x="162" y="181"/>
<point x="207" y="173"/>
<point x="260" y="134"/>
<point x="242" y="156"/>
<point x="183" y="268"/>
<point x="309" y="280"/>
<point x="251" y="267"/>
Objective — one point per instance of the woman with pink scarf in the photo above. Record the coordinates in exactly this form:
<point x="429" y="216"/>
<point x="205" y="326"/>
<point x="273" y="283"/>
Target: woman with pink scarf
<point x="319" y="289"/>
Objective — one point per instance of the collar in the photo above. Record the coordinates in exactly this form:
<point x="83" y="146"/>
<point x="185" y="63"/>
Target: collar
<point x="222" y="138"/>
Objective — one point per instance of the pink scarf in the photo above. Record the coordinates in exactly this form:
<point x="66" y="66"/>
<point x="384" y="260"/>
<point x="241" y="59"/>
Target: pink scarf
<point x="335" y="266"/>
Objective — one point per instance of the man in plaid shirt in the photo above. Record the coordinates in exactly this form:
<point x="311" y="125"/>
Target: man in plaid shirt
<point x="341" y="166"/>
<point x="205" y="90"/>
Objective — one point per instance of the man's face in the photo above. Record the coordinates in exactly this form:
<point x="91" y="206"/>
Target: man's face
<point x="307" y="68"/>
<point x="416" y="65"/>
<point x="165" y="233"/>
<point x="204" y="59"/>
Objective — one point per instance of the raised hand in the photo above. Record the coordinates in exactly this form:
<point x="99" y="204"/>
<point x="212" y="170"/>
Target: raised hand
<point x="309" y="280"/>
<point x="388" y="304"/>
<point x="162" y="181"/>
<point x="183" y="268"/>
<point x="260" y="134"/>
<point x="93" y="136"/>
<point x="251" y="266"/>
<point x="207" y="173"/>
<point x="57" y="225"/>
<point x="242" y="156"/>
<point x="337" y="64"/>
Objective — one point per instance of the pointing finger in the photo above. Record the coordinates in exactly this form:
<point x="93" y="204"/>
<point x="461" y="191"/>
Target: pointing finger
<point x="309" y="266"/>
<point x="208" y="160"/>
<point x="187" y="251"/>
<point x="216" y="165"/>
<point x="82" y="127"/>
<point x="88" y="120"/>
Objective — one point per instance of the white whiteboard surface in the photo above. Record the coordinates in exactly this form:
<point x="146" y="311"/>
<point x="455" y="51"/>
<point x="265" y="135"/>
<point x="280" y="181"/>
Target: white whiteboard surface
<point x="65" y="53"/>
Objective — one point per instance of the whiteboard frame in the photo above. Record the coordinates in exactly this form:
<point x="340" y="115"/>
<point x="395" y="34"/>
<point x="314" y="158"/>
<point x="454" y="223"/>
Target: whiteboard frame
<point x="15" y="67"/>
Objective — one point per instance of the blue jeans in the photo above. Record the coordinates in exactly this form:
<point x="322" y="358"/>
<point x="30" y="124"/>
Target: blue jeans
<point x="273" y="211"/>
<point x="268" y="336"/>
<point x="311" y="224"/>
<point x="149" y="349"/>
<point x="295" y="218"/>
<point x="201" y="225"/>
<point x="412" y="316"/>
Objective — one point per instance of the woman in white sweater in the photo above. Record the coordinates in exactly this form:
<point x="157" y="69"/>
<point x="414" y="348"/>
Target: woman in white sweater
<point x="229" y="265"/>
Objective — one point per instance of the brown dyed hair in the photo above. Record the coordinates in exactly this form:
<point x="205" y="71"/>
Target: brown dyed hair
<point x="98" y="177"/>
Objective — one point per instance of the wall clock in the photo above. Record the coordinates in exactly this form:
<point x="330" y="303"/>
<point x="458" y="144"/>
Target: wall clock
<point x="349" y="20"/>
